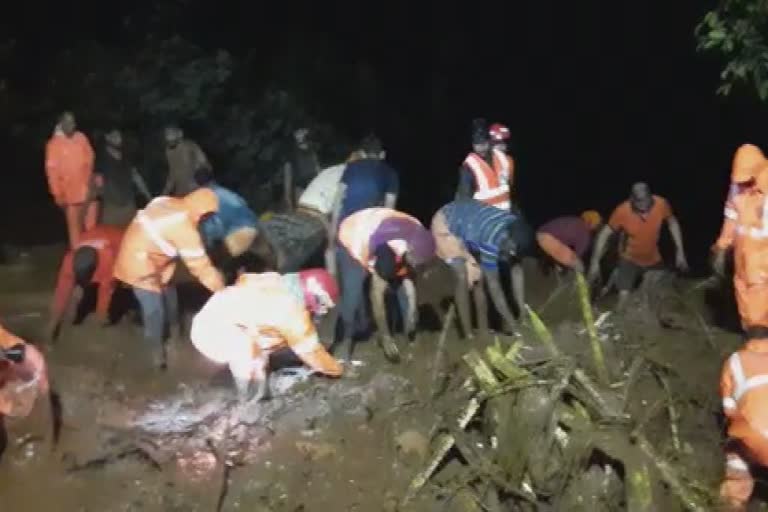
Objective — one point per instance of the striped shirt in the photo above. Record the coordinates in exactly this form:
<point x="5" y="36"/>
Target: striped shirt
<point x="482" y="228"/>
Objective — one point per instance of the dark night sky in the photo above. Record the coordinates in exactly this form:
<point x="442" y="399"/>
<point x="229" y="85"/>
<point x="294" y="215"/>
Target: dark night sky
<point x="597" y="94"/>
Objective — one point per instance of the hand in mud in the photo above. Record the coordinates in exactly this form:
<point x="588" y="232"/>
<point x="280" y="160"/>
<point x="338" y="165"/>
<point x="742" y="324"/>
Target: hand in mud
<point x="390" y="348"/>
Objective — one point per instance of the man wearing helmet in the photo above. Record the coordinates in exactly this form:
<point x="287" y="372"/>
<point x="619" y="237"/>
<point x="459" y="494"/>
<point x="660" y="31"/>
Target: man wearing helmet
<point x="486" y="172"/>
<point x="243" y="324"/>
<point x="565" y="240"/>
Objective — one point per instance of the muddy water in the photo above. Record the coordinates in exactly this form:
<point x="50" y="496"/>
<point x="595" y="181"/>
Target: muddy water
<point x="136" y="439"/>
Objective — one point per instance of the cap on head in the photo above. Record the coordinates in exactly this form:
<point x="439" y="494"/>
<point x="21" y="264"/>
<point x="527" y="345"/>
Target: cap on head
<point x="201" y="202"/>
<point x="498" y="132"/>
<point x="321" y="292"/>
<point x="480" y="137"/>
<point x="592" y="218"/>
<point x="747" y="162"/>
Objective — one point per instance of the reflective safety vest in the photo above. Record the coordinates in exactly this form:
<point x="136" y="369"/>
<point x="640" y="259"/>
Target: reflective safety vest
<point x="745" y="227"/>
<point x="491" y="183"/>
<point x="744" y="390"/>
<point x="158" y="235"/>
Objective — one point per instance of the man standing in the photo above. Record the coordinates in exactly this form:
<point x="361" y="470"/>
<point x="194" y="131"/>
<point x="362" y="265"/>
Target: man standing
<point x="485" y="173"/>
<point x="473" y="238"/>
<point x="499" y="140"/>
<point x="69" y="167"/>
<point x="184" y="158"/>
<point x="301" y="169"/>
<point x="119" y="182"/>
<point x="640" y="218"/>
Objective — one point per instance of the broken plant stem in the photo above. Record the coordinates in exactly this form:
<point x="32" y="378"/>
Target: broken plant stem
<point x="447" y="321"/>
<point x="589" y="322"/>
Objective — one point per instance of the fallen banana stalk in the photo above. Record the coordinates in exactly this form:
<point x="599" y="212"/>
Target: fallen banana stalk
<point x="589" y="322"/>
<point x="673" y="417"/>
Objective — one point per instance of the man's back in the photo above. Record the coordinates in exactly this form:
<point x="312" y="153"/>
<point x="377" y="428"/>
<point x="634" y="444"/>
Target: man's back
<point x="367" y="184"/>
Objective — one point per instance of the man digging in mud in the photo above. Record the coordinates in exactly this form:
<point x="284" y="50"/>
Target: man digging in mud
<point x="467" y="227"/>
<point x="244" y="324"/>
<point x="390" y="247"/>
<point x="640" y="218"/>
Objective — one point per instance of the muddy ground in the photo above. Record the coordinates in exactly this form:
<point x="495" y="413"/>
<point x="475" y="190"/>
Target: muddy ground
<point x="135" y="439"/>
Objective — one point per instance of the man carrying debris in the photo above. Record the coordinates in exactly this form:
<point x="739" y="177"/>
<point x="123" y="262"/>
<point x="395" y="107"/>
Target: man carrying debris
<point x="301" y="169"/>
<point x="243" y="324"/>
<point x="167" y="229"/>
<point x="640" y="218"/>
<point x="486" y="173"/>
<point x="69" y="167"/>
<point x="184" y="158"/>
<point x="91" y="262"/>
<point x="391" y="247"/>
<point x="119" y="182"/>
<point x="565" y="240"/>
<point x="745" y="229"/>
<point x="473" y="238"/>
<point x="744" y="392"/>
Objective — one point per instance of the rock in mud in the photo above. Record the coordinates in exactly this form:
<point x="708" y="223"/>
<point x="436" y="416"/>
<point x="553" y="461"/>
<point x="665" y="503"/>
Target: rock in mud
<point x="412" y="443"/>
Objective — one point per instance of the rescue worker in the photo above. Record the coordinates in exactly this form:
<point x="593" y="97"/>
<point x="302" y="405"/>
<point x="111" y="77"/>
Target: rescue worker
<point x="90" y="262"/>
<point x="243" y="324"/>
<point x="119" y="182"/>
<point x="474" y="238"/>
<point x="499" y="136"/>
<point x="23" y="377"/>
<point x="640" y="218"/>
<point x="184" y="159"/>
<point x="745" y="229"/>
<point x="366" y="183"/>
<point x="69" y="168"/>
<point x="167" y="229"/>
<point x="234" y="224"/>
<point x="301" y="168"/>
<point x="485" y="174"/>
<point x="299" y="237"/>
<point x="743" y="390"/>
<point x="390" y="247"/>
<point x="566" y="239"/>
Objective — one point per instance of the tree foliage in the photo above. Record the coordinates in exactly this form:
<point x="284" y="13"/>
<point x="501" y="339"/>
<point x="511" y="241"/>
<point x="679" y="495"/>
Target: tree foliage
<point x="737" y="31"/>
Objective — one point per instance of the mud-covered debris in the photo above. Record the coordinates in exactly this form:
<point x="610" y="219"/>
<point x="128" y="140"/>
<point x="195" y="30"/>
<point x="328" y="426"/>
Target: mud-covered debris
<point x="412" y="442"/>
<point x="316" y="450"/>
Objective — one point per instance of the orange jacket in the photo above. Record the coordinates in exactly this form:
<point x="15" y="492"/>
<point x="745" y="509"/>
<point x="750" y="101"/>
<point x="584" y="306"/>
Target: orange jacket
<point x="162" y="232"/>
<point x="69" y="167"/>
<point x="16" y="395"/>
<point x="746" y="230"/>
<point x="269" y="309"/>
<point x="744" y="390"/>
<point x="492" y="184"/>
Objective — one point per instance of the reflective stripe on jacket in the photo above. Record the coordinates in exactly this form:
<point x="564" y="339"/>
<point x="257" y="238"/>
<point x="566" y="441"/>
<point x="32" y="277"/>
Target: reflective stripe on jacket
<point x="491" y="183"/>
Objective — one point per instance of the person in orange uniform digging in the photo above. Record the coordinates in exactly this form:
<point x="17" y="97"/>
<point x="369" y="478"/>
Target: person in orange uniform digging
<point x="390" y="247"/>
<point x="92" y="261"/>
<point x="565" y="240"/>
<point x="745" y="229"/>
<point x="640" y="219"/>
<point x="245" y="323"/>
<point x="69" y="167"/>
<point x="160" y="234"/>
<point x="23" y="377"/>
<point x="744" y="390"/>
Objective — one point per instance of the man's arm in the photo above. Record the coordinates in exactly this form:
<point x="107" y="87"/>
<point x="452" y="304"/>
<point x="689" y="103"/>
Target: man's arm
<point x="191" y="249"/>
<point x="601" y="244"/>
<point x="140" y="184"/>
<point x="465" y="190"/>
<point x="677" y="237"/>
<point x="288" y="186"/>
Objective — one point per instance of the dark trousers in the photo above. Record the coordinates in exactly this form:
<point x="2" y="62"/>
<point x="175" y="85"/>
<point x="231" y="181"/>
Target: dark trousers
<point x="353" y="278"/>
<point x="158" y="311"/>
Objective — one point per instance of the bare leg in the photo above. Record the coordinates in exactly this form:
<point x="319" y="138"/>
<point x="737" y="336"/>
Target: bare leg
<point x="461" y="296"/>
<point x="408" y="307"/>
<point x="517" y="278"/>
<point x="378" y="291"/>
<point x="481" y="308"/>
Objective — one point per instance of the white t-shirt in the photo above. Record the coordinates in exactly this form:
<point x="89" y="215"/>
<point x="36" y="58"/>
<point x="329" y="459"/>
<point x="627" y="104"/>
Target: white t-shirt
<point x="321" y="191"/>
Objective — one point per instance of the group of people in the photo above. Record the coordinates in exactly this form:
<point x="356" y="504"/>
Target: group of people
<point x="341" y="235"/>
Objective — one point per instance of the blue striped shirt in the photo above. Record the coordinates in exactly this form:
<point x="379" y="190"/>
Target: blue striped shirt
<point x="482" y="228"/>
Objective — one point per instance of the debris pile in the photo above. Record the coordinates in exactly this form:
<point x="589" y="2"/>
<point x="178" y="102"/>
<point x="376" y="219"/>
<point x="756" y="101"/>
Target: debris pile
<point x="600" y="428"/>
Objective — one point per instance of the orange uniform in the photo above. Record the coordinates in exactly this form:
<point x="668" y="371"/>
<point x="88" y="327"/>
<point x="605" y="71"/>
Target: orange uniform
<point x="162" y="232"/>
<point x="642" y="231"/>
<point x="20" y="384"/>
<point x="260" y="314"/>
<point x="492" y="184"/>
<point x="744" y="390"/>
<point x="69" y="167"/>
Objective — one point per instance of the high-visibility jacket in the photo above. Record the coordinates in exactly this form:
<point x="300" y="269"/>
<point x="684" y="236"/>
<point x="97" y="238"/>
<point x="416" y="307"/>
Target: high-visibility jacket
<point x="20" y="384"/>
<point x="69" y="167"/>
<point x="267" y="312"/>
<point x="363" y="231"/>
<point x="159" y="234"/>
<point x="744" y="390"/>
<point x="745" y="228"/>
<point x="106" y="240"/>
<point x="491" y="183"/>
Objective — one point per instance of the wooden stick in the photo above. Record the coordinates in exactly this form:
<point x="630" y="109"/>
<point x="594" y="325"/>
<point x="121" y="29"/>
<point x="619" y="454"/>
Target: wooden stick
<point x="447" y="321"/>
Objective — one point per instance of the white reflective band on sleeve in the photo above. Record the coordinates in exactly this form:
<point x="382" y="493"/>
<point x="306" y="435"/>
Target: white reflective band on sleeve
<point x="504" y="161"/>
<point x="151" y="230"/>
<point x="504" y="205"/>
<point x="730" y="213"/>
<point x="490" y="193"/>
<point x="306" y="346"/>
<point x="191" y="253"/>
<point x="729" y="403"/>
<point x="737" y="464"/>
<point x="95" y="243"/>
